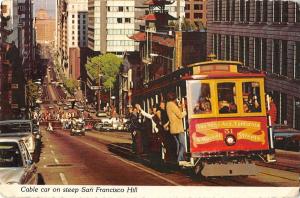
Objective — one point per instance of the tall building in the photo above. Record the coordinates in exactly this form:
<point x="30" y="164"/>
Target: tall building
<point x="72" y="33"/>
<point x="195" y="11"/>
<point x="45" y="27"/>
<point x="264" y="35"/>
<point x="112" y="22"/>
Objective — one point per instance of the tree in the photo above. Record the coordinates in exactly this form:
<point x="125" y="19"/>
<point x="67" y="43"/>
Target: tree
<point x="71" y="85"/>
<point x="32" y="92"/>
<point x="107" y="65"/>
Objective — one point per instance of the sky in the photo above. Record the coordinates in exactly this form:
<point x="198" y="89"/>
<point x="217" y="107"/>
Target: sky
<point x="45" y="4"/>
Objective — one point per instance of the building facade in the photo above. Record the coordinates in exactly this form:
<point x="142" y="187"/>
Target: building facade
<point x="195" y="11"/>
<point x="45" y="27"/>
<point x="72" y="33"/>
<point x="264" y="35"/>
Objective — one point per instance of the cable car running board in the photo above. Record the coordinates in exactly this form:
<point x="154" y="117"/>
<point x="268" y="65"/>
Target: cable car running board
<point x="229" y="169"/>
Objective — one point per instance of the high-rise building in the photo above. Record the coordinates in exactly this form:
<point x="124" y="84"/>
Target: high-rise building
<point x="72" y="33"/>
<point x="45" y="27"/>
<point x="112" y="22"/>
<point x="195" y="11"/>
<point x="264" y="35"/>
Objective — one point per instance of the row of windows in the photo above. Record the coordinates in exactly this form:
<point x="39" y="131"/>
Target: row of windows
<point x="120" y="32"/>
<point x="120" y="8"/>
<point x="120" y="43"/>
<point x="196" y="15"/>
<point x="113" y="20"/>
<point x="79" y="16"/>
<point x="279" y="53"/>
<point x="280" y="11"/>
<point x="196" y="7"/>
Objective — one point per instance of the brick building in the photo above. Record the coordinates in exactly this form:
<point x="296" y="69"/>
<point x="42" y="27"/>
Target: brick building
<point x="265" y="36"/>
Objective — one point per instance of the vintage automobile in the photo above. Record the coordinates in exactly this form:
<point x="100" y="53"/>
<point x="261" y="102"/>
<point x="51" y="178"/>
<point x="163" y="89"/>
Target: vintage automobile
<point x="16" y="165"/>
<point x="77" y="127"/>
<point x="20" y="128"/>
<point x="286" y="138"/>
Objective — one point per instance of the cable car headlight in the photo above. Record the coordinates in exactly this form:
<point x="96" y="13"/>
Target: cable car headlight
<point x="230" y="140"/>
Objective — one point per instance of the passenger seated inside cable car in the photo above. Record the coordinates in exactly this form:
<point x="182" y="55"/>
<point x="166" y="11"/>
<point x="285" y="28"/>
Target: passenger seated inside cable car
<point x="203" y="104"/>
<point x="251" y="97"/>
<point x="226" y="98"/>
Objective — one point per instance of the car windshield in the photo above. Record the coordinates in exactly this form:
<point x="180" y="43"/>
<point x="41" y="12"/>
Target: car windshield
<point x="6" y="128"/>
<point x="10" y="155"/>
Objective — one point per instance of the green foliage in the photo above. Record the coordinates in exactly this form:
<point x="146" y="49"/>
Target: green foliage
<point x="107" y="65"/>
<point x="71" y="85"/>
<point x="32" y="92"/>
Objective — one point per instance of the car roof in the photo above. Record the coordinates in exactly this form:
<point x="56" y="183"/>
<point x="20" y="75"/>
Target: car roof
<point x="14" y="121"/>
<point x="10" y="139"/>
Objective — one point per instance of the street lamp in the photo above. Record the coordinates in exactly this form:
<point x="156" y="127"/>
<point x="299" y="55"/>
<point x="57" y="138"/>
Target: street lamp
<point x="113" y="99"/>
<point x="99" y="90"/>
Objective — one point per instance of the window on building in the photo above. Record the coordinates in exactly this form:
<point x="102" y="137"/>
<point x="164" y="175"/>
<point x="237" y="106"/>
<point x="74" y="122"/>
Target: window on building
<point x="247" y="9"/>
<point x="187" y="15"/>
<point x="119" y="20"/>
<point x="220" y="10"/>
<point x="108" y="8"/>
<point x="265" y="11"/>
<point x="227" y="47"/>
<point x="246" y="51"/>
<point x="283" y="70"/>
<point x="232" y="47"/>
<point x="227" y="13"/>
<point x="215" y="44"/>
<point x="296" y="113"/>
<point x="196" y="7"/>
<point x="73" y="16"/>
<point x="120" y="9"/>
<point x="285" y="11"/>
<point x="127" y="20"/>
<point x="198" y="15"/>
<point x="258" y="11"/>
<point x="73" y="32"/>
<point x="276" y="57"/>
<point x="283" y="108"/>
<point x="219" y="54"/>
<point x="264" y="54"/>
<point x="216" y="16"/>
<point x="83" y="21"/>
<point x="257" y="53"/>
<point x="232" y="10"/>
<point x="297" y="60"/>
<point x="187" y="7"/>
<point x="241" y="49"/>
<point x="73" y="21"/>
<point x="83" y="16"/>
<point x="242" y="10"/>
<point x="297" y="12"/>
<point x="276" y="11"/>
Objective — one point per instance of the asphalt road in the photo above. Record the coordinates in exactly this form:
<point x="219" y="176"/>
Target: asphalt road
<point x="89" y="160"/>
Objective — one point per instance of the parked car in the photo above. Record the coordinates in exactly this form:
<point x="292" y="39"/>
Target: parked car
<point x="101" y="114"/>
<point x="88" y="127"/>
<point x="20" y="128"/>
<point x="286" y="138"/>
<point x="59" y="103"/>
<point x="16" y="165"/>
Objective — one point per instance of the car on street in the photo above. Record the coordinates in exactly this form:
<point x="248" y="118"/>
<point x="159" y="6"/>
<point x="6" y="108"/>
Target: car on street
<point x="59" y="103"/>
<point x="16" y="164"/>
<point x="20" y="128"/>
<point x="101" y="114"/>
<point x="66" y="108"/>
<point x="77" y="127"/>
<point x="50" y="107"/>
<point x="286" y="138"/>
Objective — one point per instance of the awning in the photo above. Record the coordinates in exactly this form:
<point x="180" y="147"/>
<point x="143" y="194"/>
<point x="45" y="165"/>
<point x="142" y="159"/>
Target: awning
<point x="140" y="36"/>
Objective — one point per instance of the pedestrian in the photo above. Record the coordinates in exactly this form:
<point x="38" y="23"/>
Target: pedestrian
<point x="175" y="115"/>
<point x="272" y="111"/>
<point x="135" y="128"/>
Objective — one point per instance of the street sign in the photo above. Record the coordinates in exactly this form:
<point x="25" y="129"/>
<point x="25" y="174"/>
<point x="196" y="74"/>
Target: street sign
<point x="95" y="87"/>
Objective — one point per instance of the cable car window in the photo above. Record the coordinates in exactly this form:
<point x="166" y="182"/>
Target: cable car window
<point x="251" y="97"/>
<point x="227" y="98"/>
<point x="201" y="96"/>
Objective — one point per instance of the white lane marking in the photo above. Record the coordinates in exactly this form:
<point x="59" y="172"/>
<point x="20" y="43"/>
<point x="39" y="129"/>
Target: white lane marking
<point x="132" y="164"/>
<point x="52" y="152"/>
<point x="63" y="179"/>
<point x="56" y="161"/>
